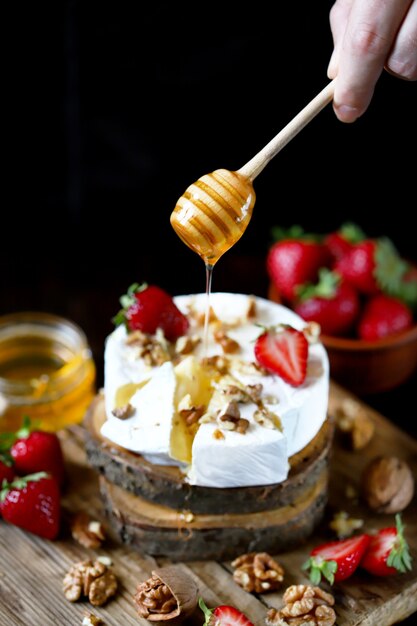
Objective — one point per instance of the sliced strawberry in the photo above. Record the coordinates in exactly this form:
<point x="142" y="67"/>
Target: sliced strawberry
<point x="383" y="316"/>
<point x="147" y="308"/>
<point x="32" y="503"/>
<point x="223" y="615"/>
<point x="336" y="560"/>
<point x="283" y="350"/>
<point x="342" y="241"/>
<point x="388" y="552"/>
<point x="293" y="262"/>
<point x="331" y="303"/>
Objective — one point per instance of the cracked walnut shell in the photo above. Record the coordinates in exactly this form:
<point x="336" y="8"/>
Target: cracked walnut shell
<point x="168" y="596"/>
<point x="257" y="572"/>
<point x="388" y="484"/>
<point x="93" y="580"/>
<point x="304" y="606"/>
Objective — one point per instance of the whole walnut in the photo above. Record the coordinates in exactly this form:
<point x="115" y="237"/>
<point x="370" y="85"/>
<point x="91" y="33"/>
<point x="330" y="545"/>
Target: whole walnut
<point x="387" y="484"/>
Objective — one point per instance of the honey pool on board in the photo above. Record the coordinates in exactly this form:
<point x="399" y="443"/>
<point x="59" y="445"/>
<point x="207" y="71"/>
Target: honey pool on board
<point x="46" y="371"/>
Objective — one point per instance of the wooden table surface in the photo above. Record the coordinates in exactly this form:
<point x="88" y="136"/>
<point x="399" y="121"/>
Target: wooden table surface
<point x="32" y="569"/>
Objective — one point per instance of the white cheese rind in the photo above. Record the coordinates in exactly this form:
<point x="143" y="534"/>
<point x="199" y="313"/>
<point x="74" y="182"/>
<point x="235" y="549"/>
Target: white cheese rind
<point x="260" y="456"/>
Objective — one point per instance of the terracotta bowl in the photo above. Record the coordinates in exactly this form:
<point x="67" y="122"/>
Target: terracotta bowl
<point x="367" y="367"/>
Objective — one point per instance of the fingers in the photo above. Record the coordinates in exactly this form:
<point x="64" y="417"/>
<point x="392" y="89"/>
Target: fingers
<point x="362" y="50"/>
<point x="339" y="17"/>
<point x="402" y="60"/>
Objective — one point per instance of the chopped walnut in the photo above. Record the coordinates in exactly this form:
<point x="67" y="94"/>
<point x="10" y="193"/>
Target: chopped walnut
<point x="251" y="312"/>
<point x="229" y="345"/>
<point x="344" y="526"/>
<point x="229" y="418"/>
<point x="193" y="414"/>
<point x="87" y="531"/>
<point x="123" y="412"/>
<point x="92" y="620"/>
<point x="93" y="580"/>
<point x="233" y="392"/>
<point x="186" y="344"/>
<point x="154" y="597"/>
<point x="304" y="606"/>
<point x="257" y="572"/>
<point x="312" y="332"/>
<point x="353" y="419"/>
<point x="250" y="368"/>
<point x="254" y="392"/>
<point x="200" y="316"/>
<point x="217" y="434"/>
<point x="267" y="419"/>
<point x="136" y="338"/>
<point x="218" y="363"/>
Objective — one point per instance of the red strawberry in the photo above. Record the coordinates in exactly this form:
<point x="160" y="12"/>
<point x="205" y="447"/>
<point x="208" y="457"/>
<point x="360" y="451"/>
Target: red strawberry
<point x="6" y="469"/>
<point x="32" y="503"/>
<point x="331" y="303"/>
<point x="291" y="263"/>
<point x="372" y="266"/>
<point x="342" y="241"/>
<point x="383" y="316"/>
<point x="388" y="552"/>
<point x="223" y="615"/>
<point x="284" y="351"/>
<point x="147" y="308"/>
<point x="36" y="451"/>
<point x="336" y="560"/>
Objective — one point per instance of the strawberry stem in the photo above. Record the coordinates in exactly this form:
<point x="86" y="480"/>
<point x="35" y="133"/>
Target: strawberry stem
<point x="20" y="483"/>
<point x="208" y="613"/>
<point x="26" y="428"/>
<point x="352" y="232"/>
<point x="126" y="300"/>
<point x="400" y="557"/>
<point x="319" y="567"/>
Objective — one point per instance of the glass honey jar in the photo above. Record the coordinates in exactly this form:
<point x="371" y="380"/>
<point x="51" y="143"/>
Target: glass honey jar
<point x="46" y="371"/>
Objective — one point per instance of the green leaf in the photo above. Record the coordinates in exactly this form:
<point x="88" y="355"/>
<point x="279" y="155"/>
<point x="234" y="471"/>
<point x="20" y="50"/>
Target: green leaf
<point x="6" y="458"/>
<point x="400" y="557"/>
<point x="352" y="232"/>
<point x="326" y="286"/>
<point x="20" y="482"/>
<point x="26" y="428"/>
<point x="319" y="567"/>
<point x="208" y="613"/>
<point x="6" y="441"/>
<point x="389" y="267"/>
<point x="294" y="232"/>
<point x="126" y="300"/>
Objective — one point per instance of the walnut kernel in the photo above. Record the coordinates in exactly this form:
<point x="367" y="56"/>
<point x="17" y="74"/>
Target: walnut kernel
<point x="87" y="531"/>
<point x="344" y="526"/>
<point x="257" y="572"/>
<point x="123" y="412"/>
<point x="304" y="606"/>
<point x="388" y="485"/>
<point x="93" y="580"/>
<point x="354" y="421"/>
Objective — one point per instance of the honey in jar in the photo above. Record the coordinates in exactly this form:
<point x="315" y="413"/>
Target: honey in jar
<point x="46" y="371"/>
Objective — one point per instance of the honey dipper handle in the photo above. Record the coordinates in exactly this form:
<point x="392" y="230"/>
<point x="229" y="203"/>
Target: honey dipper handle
<point x="260" y="160"/>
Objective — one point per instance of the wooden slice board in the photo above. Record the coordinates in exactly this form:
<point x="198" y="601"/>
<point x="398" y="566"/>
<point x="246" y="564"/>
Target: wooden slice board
<point x="32" y="569"/>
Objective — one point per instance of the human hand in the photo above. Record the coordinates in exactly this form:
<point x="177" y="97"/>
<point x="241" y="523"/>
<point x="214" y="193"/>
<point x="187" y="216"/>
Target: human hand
<point x="369" y="35"/>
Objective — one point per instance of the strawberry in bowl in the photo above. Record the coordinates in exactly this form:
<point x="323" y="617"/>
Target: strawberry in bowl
<point x="363" y="295"/>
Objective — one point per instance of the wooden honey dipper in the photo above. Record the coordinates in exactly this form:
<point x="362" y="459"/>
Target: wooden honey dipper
<point x="213" y="212"/>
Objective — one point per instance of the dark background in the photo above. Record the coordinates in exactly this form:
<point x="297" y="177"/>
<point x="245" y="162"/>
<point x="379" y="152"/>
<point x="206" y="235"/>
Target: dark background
<point x="116" y="107"/>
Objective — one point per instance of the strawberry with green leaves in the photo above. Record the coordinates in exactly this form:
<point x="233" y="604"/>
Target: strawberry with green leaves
<point x="33" y="450"/>
<point x="383" y="316"/>
<point x="6" y="468"/>
<point x="332" y="303"/>
<point x="372" y="266"/>
<point x="388" y="552"/>
<point x="340" y="242"/>
<point x="283" y="350"/>
<point x="223" y="615"/>
<point x="295" y="260"/>
<point x="147" y="308"/>
<point x="336" y="560"/>
<point x="32" y="503"/>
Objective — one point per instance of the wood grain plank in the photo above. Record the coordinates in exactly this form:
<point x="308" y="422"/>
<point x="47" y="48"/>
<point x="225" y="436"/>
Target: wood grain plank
<point x="31" y="569"/>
